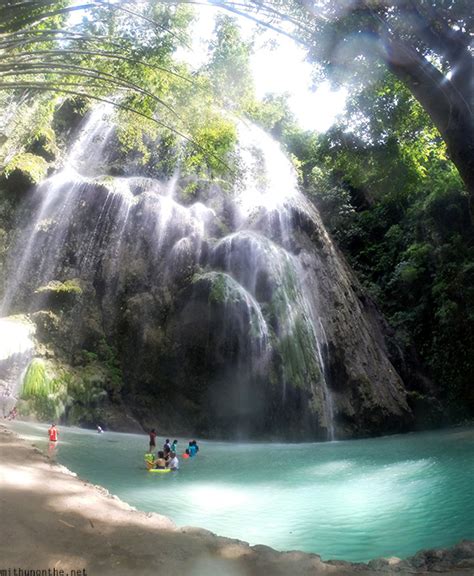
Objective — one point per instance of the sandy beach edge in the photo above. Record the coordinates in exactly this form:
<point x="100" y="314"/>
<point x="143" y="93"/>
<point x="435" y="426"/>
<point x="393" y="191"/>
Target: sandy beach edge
<point x="50" y="519"/>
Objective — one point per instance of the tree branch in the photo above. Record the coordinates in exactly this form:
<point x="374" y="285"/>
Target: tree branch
<point x="51" y="87"/>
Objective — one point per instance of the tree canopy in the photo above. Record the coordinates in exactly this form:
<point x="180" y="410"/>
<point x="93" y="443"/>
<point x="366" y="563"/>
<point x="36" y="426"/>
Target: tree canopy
<point x="396" y="206"/>
<point x="426" y="44"/>
<point x="121" y="53"/>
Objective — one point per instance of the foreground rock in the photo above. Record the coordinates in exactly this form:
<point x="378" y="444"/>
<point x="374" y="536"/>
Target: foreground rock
<point x="52" y="519"/>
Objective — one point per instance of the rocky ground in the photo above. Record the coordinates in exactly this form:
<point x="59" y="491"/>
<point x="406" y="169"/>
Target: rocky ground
<point x="50" y="518"/>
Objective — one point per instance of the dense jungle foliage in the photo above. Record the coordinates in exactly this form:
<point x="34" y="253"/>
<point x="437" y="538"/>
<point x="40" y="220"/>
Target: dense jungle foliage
<point x="399" y="211"/>
<point x="425" y="44"/>
<point x="383" y="177"/>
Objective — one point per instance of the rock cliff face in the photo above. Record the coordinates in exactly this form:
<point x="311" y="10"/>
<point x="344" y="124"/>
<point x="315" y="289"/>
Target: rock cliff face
<point x="230" y="316"/>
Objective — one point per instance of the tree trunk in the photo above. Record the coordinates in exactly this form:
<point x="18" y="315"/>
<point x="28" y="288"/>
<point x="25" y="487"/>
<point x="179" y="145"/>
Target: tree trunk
<point x="448" y="107"/>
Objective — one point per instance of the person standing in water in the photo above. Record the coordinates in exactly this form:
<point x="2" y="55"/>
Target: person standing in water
<point x="174" y="446"/>
<point x="53" y="433"/>
<point x="173" y="462"/>
<point x="152" y="440"/>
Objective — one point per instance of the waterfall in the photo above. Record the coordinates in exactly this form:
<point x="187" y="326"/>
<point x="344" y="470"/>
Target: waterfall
<point x="240" y="308"/>
<point x="270" y="190"/>
<point x="16" y="351"/>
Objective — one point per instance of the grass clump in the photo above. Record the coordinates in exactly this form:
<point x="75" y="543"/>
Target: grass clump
<point x="56" y="287"/>
<point x="36" y="382"/>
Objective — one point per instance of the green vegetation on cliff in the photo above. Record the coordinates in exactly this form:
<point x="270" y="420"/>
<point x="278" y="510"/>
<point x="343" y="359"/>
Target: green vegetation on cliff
<point x="57" y="287"/>
<point x="398" y="209"/>
<point x="36" y="382"/>
<point x="76" y="394"/>
<point x="31" y="166"/>
<point x="382" y="179"/>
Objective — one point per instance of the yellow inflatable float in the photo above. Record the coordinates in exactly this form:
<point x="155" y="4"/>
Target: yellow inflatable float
<point x="150" y="462"/>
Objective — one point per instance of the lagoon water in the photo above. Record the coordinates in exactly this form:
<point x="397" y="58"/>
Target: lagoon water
<point x="353" y="500"/>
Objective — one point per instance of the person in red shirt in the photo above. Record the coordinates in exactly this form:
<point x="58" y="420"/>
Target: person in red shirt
<point x="53" y="433"/>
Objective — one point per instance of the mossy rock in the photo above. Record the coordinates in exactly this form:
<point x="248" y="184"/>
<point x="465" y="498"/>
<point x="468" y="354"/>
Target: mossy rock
<point x="53" y="390"/>
<point x="60" y="294"/>
<point x="221" y="288"/>
<point x="43" y="392"/>
<point x="43" y="408"/>
<point x="44" y="145"/>
<point x="24" y="171"/>
<point x="57" y="287"/>
<point x="68" y="115"/>
<point x="47" y="325"/>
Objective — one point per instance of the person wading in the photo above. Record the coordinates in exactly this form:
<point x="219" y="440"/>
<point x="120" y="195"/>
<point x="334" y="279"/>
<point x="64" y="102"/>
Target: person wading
<point x="152" y="440"/>
<point x="53" y="433"/>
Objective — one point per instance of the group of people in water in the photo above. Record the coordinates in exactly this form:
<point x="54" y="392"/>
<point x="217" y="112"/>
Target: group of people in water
<point x="167" y="458"/>
<point x="164" y="459"/>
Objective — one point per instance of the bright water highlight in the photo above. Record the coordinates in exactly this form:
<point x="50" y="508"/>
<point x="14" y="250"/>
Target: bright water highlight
<point x="353" y="500"/>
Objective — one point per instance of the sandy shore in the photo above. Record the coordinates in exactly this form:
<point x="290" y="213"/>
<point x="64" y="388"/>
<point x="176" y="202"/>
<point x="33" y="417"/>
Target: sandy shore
<point x="52" y="519"/>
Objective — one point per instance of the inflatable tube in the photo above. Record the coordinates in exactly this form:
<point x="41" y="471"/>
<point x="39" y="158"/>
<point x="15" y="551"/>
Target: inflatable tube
<point x="149" y="460"/>
<point x="162" y="470"/>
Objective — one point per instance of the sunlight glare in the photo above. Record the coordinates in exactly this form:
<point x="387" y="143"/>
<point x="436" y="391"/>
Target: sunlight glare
<point x="278" y="67"/>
